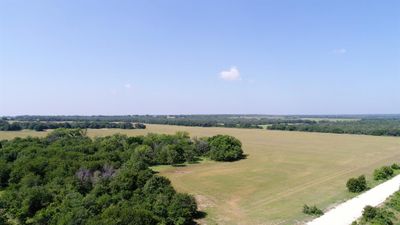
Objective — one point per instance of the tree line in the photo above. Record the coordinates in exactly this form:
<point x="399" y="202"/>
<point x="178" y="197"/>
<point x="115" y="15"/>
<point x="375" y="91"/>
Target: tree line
<point x="237" y="121"/>
<point x="69" y="178"/>
<point x="377" y="127"/>
<point x="40" y="126"/>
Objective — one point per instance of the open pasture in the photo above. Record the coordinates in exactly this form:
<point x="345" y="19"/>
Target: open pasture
<point x="283" y="171"/>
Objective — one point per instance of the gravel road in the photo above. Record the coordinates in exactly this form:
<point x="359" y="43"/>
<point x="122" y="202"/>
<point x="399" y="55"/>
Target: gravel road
<point x="351" y="210"/>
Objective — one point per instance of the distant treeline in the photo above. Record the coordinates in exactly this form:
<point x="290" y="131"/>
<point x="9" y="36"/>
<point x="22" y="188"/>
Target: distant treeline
<point x="377" y="127"/>
<point x="380" y="125"/>
<point x="238" y="121"/>
<point x="40" y="126"/>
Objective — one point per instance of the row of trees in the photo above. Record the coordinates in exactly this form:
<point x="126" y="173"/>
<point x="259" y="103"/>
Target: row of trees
<point x="359" y="184"/>
<point x="377" y="127"/>
<point x="40" y="126"/>
<point x="69" y="178"/>
<point x="238" y="121"/>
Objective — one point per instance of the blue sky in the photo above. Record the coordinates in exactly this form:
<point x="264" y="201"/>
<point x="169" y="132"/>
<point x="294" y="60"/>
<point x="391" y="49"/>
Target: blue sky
<point x="190" y="57"/>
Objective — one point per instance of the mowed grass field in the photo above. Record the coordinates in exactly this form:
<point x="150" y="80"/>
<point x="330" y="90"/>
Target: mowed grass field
<point x="283" y="171"/>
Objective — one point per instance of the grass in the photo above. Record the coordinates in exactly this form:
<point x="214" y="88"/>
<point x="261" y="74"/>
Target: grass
<point x="283" y="171"/>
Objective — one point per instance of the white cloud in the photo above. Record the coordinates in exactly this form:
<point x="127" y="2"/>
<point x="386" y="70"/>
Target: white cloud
<point x="339" y="51"/>
<point x="231" y="74"/>
<point x="128" y="86"/>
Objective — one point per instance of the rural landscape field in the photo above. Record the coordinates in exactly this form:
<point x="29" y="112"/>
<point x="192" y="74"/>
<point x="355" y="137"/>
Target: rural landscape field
<point x="282" y="172"/>
<point x="211" y="112"/>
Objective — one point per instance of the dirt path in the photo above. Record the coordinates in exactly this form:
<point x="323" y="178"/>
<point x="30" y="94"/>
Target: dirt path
<point x="347" y="212"/>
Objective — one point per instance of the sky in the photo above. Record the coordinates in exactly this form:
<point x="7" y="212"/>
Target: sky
<point x="95" y="57"/>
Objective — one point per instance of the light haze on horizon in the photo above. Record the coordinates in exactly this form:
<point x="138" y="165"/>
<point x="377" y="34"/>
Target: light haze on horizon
<point x="199" y="57"/>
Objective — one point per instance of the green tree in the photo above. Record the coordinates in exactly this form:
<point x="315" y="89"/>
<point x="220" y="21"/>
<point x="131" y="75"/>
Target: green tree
<point x="182" y="209"/>
<point x="357" y="184"/>
<point x="225" y="148"/>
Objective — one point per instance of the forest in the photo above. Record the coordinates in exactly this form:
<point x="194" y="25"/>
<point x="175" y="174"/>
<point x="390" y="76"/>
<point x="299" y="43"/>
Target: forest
<point x="238" y="121"/>
<point x="377" y="127"/>
<point x="69" y="178"/>
<point x="44" y="125"/>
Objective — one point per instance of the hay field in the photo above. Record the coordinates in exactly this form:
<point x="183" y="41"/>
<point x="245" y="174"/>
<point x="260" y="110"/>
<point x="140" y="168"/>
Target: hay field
<point x="283" y="171"/>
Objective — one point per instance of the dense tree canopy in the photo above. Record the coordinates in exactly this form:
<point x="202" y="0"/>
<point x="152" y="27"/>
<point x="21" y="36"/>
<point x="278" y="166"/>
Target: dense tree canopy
<point x="40" y="126"/>
<point x="377" y="127"/>
<point x="68" y="178"/>
<point x="238" y="121"/>
<point x="387" y="125"/>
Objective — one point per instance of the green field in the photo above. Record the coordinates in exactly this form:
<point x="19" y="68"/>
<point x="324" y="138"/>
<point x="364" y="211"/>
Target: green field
<point x="283" y="171"/>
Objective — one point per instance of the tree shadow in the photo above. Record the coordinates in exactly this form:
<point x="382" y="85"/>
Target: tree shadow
<point x="178" y="165"/>
<point x="199" y="215"/>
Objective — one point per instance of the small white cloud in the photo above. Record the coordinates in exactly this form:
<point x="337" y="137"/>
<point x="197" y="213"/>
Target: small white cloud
<point x="339" y="51"/>
<point x="128" y="86"/>
<point x="231" y="74"/>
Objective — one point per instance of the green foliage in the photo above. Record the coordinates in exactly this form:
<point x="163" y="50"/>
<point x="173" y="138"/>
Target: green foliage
<point x="369" y="212"/>
<point x="4" y="173"/>
<point x="201" y="146"/>
<point x="383" y="173"/>
<point x="175" y="209"/>
<point x="395" y="166"/>
<point x="394" y="201"/>
<point x="68" y="178"/>
<point x="122" y="214"/>
<point x="225" y="148"/>
<point x="312" y="210"/>
<point x="357" y="184"/>
<point x="377" y="216"/>
<point x="41" y="126"/>
<point x="376" y="126"/>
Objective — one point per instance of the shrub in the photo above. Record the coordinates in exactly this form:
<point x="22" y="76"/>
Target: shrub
<point x="369" y="212"/>
<point x="312" y="210"/>
<point x="383" y="173"/>
<point x="394" y="201"/>
<point x="225" y="148"/>
<point x="377" y="216"/>
<point x="395" y="166"/>
<point x="356" y="185"/>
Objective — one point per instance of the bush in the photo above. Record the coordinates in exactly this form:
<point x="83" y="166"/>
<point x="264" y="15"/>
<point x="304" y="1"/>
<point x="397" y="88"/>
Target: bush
<point x="312" y="210"/>
<point x="395" y="166"/>
<point x="377" y="216"/>
<point x="369" y="212"/>
<point x="383" y="173"/>
<point x="225" y="148"/>
<point x="357" y="185"/>
<point x="394" y="201"/>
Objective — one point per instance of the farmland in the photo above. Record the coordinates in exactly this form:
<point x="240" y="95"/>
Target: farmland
<point x="283" y="171"/>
